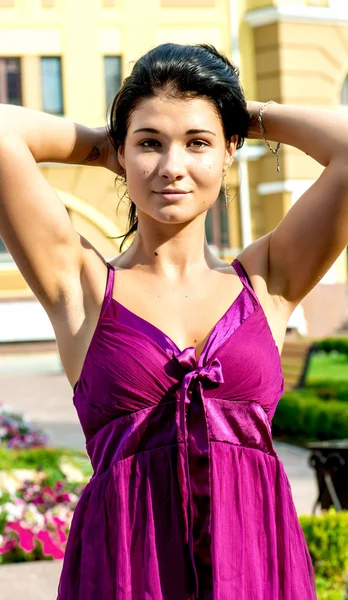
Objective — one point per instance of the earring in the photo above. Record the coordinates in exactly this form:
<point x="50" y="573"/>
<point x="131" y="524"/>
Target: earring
<point x="227" y="200"/>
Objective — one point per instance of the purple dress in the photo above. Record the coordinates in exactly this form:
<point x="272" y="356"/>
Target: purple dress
<point x="188" y="499"/>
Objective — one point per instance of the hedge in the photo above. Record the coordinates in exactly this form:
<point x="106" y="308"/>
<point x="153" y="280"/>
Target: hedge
<point x="328" y="345"/>
<point x="327" y="539"/>
<point x="301" y="413"/>
<point x="329" y="390"/>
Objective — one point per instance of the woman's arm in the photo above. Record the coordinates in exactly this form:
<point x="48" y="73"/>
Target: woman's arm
<point x="34" y="223"/>
<point x="323" y="134"/>
<point x="314" y="232"/>
<point x="54" y="139"/>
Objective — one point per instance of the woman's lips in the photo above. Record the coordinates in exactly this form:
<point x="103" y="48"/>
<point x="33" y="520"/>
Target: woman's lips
<point x="172" y="197"/>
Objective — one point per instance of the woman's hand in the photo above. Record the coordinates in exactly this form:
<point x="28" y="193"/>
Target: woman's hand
<point x="108" y="158"/>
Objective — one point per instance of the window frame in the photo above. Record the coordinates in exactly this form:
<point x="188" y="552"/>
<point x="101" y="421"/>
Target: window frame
<point x="61" y="85"/>
<point x="4" y="97"/>
<point x="109" y="100"/>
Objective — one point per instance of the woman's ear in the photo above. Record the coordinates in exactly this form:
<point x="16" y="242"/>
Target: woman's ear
<point x="231" y="148"/>
<point x="120" y="157"/>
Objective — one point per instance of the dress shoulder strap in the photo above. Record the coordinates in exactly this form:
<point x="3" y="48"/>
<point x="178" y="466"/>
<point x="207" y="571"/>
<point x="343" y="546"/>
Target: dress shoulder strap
<point x="109" y="287"/>
<point x="244" y="277"/>
<point x="106" y="301"/>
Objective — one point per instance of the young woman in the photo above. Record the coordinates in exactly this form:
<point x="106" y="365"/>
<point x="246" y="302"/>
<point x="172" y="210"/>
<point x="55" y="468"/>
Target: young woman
<point x="173" y="353"/>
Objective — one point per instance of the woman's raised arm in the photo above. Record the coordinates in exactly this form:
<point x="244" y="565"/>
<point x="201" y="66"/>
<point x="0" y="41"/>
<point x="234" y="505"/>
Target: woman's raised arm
<point x="323" y="134"/>
<point x="34" y="223"/>
<point x="314" y="231"/>
<point x="52" y="139"/>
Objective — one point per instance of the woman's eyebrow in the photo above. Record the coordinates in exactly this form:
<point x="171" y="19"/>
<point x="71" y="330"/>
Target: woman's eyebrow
<point x="188" y="132"/>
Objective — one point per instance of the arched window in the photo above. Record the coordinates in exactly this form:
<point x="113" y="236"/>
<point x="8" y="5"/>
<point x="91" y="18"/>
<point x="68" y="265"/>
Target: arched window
<point x="344" y="92"/>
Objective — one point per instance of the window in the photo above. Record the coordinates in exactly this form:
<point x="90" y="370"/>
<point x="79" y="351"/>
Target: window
<point x="208" y="228"/>
<point x="344" y="92"/>
<point x="10" y="81"/>
<point x="224" y="229"/>
<point x="216" y="224"/>
<point x="113" y="77"/>
<point x="51" y="85"/>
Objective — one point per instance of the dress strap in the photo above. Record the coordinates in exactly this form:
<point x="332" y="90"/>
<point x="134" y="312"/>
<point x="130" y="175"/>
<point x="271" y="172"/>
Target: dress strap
<point x="244" y="277"/>
<point x="109" y="287"/>
<point x="107" y="297"/>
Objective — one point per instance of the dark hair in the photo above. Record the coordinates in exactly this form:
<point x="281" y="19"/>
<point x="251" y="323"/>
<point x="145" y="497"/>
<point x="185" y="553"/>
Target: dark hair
<point x="183" y="71"/>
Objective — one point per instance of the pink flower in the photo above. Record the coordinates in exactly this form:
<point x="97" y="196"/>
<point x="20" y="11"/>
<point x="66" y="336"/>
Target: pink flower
<point x="8" y="546"/>
<point x="63" y="498"/>
<point x="60" y="525"/>
<point x="49" y="547"/>
<point x="26" y="536"/>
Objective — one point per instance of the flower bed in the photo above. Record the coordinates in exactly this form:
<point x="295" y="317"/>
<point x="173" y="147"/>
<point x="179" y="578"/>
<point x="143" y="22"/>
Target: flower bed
<point x="39" y="489"/>
<point x="16" y="430"/>
<point x="35" y="521"/>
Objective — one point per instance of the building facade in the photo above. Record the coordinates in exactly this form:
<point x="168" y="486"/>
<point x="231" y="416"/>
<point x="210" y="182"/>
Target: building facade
<point x="69" y="58"/>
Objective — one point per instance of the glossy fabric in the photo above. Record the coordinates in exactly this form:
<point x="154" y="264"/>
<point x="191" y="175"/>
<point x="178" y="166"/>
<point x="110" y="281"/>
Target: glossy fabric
<point x="188" y="498"/>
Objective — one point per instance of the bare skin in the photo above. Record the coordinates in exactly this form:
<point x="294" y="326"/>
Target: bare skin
<point x="168" y="275"/>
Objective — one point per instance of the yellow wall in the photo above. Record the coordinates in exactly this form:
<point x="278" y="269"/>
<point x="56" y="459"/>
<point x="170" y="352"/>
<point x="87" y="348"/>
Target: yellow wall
<point x="257" y="4"/>
<point x="272" y="67"/>
<point x="298" y="63"/>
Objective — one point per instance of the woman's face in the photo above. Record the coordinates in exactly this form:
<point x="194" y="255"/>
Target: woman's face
<point x="175" y="144"/>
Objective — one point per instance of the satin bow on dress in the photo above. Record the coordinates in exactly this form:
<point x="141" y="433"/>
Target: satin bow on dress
<point x="212" y="372"/>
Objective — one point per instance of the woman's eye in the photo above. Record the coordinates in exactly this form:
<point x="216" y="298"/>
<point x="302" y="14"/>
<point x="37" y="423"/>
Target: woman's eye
<point x="148" y="143"/>
<point x="200" y="143"/>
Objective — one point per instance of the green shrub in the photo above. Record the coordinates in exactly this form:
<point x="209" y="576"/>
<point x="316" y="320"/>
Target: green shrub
<point x="329" y="390"/>
<point x="328" y="345"/>
<point x="44" y="459"/>
<point x="327" y="539"/>
<point x="301" y="413"/>
<point x="327" y="594"/>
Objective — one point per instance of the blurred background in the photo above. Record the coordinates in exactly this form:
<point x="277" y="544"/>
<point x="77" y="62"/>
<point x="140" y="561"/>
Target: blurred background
<point x="69" y="58"/>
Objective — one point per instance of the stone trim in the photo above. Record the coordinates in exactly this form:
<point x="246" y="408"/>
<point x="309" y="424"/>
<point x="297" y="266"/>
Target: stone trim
<point x="297" y="14"/>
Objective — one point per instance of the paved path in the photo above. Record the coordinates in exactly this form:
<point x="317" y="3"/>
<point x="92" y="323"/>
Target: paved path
<point x="37" y="387"/>
<point x="30" y="581"/>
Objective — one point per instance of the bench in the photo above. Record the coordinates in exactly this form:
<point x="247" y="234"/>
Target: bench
<point x="295" y="357"/>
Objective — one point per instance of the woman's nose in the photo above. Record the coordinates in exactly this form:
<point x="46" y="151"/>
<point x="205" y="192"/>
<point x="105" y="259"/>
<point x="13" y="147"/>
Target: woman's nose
<point x="172" y="164"/>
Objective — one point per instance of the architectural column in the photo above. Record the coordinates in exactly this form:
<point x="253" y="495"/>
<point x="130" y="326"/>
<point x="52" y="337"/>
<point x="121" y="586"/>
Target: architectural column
<point x="31" y="82"/>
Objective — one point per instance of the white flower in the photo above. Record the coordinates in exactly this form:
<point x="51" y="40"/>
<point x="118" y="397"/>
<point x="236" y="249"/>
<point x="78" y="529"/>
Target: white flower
<point x="72" y="473"/>
<point x="13" y="511"/>
<point x="73" y="498"/>
<point x="33" y="515"/>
